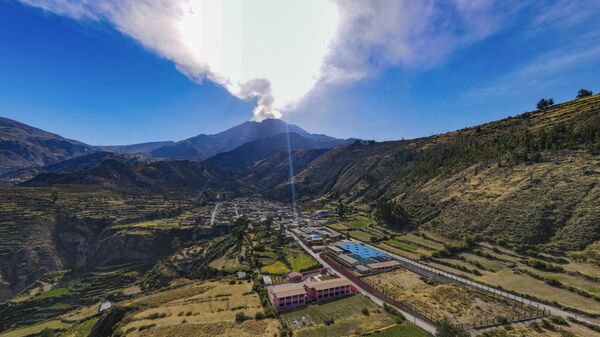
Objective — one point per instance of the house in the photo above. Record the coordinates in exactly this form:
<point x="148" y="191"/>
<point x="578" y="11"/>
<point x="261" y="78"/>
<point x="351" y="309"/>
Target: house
<point x="105" y="306"/>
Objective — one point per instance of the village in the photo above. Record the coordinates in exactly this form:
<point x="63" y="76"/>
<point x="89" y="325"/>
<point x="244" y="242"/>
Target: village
<point x="307" y="266"/>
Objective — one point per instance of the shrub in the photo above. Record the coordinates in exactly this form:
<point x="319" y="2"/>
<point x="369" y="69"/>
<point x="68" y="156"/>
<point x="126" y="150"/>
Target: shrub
<point x="240" y="317"/>
<point x="146" y="326"/>
<point x="544" y="103"/>
<point x="446" y="329"/>
<point x="558" y="320"/>
<point x="259" y="315"/>
<point x="329" y="321"/>
<point x="584" y="93"/>
<point x="547" y="325"/>
<point x="365" y="311"/>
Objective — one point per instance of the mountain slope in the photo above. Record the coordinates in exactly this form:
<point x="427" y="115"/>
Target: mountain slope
<point x="205" y="146"/>
<point x="22" y="146"/>
<point x="85" y="162"/>
<point x="161" y="175"/>
<point x="251" y="152"/>
<point x="143" y="148"/>
<point x="530" y="179"/>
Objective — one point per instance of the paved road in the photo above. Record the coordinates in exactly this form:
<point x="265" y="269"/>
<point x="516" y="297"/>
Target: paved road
<point x="417" y="321"/>
<point x="552" y="309"/>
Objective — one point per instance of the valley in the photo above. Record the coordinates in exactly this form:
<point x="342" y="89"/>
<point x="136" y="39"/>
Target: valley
<point x="492" y="229"/>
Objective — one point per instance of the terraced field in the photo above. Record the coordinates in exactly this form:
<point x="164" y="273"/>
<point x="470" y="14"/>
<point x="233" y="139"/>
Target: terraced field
<point x="198" y="309"/>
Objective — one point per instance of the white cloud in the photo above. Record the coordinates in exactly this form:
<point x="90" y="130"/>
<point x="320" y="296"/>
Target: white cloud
<point x="280" y="50"/>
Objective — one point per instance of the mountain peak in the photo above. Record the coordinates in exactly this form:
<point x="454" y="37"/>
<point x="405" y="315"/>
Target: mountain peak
<point x="205" y="146"/>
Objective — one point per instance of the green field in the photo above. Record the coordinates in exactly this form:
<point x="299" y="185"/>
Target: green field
<point x="360" y="235"/>
<point x="275" y="268"/>
<point x="359" y="222"/>
<point x="81" y="329"/>
<point x="401" y="330"/>
<point x="36" y="329"/>
<point x="56" y="292"/>
<point x="302" y="262"/>
<point x="401" y="245"/>
<point x="347" y="316"/>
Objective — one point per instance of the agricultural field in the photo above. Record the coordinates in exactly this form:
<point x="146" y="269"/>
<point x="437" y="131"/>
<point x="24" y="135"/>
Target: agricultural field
<point x="460" y="304"/>
<point x="569" y="282"/>
<point x="346" y="314"/>
<point x="277" y="255"/>
<point x="236" y="259"/>
<point x="544" y="328"/>
<point x="198" y="309"/>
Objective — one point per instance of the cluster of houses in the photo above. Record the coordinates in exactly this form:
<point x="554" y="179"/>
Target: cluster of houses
<point x="316" y="237"/>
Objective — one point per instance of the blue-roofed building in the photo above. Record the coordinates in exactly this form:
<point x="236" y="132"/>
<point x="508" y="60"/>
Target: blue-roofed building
<point x="354" y="254"/>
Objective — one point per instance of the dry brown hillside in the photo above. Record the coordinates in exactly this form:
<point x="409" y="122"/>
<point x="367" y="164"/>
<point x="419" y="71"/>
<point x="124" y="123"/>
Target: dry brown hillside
<point x="529" y="179"/>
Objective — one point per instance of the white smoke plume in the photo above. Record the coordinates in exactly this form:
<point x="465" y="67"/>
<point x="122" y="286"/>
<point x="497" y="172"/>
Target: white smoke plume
<point x="277" y="51"/>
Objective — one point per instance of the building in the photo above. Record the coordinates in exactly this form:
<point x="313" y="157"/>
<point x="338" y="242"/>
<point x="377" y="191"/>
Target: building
<point x="383" y="266"/>
<point x="347" y="259"/>
<point x="295" y="277"/>
<point x="105" y="306"/>
<point x="319" y="291"/>
<point x="288" y="296"/>
<point x="292" y="295"/>
<point x="364" y="258"/>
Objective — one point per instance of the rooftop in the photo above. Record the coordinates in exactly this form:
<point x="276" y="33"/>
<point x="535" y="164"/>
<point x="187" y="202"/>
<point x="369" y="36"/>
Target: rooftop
<point x="385" y="264"/>
<point x="328" y="284"/>
<point x="286" y="290"/>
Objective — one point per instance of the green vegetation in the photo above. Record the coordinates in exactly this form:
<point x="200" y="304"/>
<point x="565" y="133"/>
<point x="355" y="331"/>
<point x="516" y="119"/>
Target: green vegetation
<point x="339" y="317"/>
<point x="447" y="329"/>
<point x="401" y="330"/>
<point x="56" y="292"/>
<point x="392" y="214"/>
<point x="401" y="245"/>
<point x="360" y="235"/>
<point x="82" y="329"/>
<point x="544" y="103"/>
<point x="276" y="268"/>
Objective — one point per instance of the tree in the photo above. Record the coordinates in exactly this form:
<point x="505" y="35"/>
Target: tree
<point x="47" y="333"/>
<point x="584" y="93"/>
<point x="54" y="196"/>
<point x="391" y="213"/>
<point x="446" y="329"/>
<point x="341" y="209"/>
<point x="544" y="103"/>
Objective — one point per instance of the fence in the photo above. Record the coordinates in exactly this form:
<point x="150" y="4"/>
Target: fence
<point x="375" y="291"/>
<point x="382" y="295"/>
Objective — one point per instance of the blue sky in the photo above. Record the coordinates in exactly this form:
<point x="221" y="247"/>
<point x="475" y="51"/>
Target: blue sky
<point x="87" y="80"/>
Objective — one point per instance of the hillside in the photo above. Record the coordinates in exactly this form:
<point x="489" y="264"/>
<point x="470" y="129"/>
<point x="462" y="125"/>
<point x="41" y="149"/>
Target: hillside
<point x="160" y="175"/>
<point x="85" y="162"/>
<point x="23" y="146"/>
<point x="143" y="148"/>
<point x="529" y="179"/>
